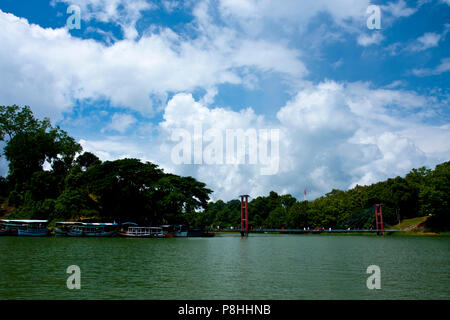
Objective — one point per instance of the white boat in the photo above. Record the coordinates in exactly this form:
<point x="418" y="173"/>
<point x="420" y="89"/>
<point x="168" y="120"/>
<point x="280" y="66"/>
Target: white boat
<point x="143" y="232"/>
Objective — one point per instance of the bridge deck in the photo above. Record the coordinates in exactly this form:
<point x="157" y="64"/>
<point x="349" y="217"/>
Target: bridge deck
<point x="308" y="231"/>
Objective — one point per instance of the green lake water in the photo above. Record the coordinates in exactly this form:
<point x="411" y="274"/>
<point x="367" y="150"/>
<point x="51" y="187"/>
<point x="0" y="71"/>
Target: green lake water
<point x="226" y="267"/>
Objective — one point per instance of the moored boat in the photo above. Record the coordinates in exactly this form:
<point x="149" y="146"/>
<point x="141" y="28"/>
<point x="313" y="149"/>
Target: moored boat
<point x="168" y="230"/>
<point x="75" y="231"/>
<point x="98" y="229"/>
<point x="143" y="232"/>
<point x="176" y="230"/>
<point x="8" y="228"/>
<point x="64" y="228"/>
<point x="29" y="228"/>
<point x="199" y="233"/>
<point x="180" y="231"/>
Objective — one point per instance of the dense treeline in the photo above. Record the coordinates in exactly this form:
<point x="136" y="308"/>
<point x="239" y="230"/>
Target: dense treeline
<point x="82" y="186"/>
<point x="76" y="184"/>
<point x="422" y="192"/>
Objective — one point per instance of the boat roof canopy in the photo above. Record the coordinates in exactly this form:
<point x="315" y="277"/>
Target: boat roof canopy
<point x="24" y="221"/>
<point x="68" y="222"/>
<point x="153" y="228"/>
<point x="99" y="224"/>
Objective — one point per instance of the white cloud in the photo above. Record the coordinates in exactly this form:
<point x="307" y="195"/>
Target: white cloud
<point x="261" y="17"/>
<point x="424" y="42"/>
<point x="398" y="9"/>
<point x="121" y="122"/>
<point x="332" y="135"/>
<point x="348" y="134"/>
<point x="49" y="69"/>
<point x="370" y="39"/>
<point x="395" y="84"/>
<point x="171" y="5"/>
<point x="248" y="12"/>
<point x="443" y="67"/>
<point x="428" y="40"/>
<point x="113" y="148"/>
<point x="121" y="12"/>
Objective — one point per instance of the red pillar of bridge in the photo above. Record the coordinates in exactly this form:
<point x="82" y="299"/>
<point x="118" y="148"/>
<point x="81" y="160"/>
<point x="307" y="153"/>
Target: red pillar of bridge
<point x="379" y="219"/>
<point x="244" y="215"/>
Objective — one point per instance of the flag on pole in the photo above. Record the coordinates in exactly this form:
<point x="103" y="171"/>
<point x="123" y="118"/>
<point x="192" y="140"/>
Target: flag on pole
<point x="304" y="192"/>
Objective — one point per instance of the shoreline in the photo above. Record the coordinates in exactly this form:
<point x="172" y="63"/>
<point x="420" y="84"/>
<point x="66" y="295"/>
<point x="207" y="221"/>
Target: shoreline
<point x="397" y="233"/>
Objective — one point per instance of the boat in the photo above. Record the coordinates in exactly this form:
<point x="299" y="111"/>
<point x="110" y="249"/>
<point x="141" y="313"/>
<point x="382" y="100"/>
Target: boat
<point x="8" y="228"/>
<point x="97" y="229"/>
<point x="64" y="228"/>
<point x="194" y="233"/>
<point x="125" y="225"/>
<point x="143" y="232"/>
<point x="168" y="230"/>
<point x="128" y="224"/>
<point x="83" y="229"/>
<point x="199" y="233"/>
<point x="180" y="231"/>
<point x="176" y="230"/>
<point x="28" y="228"/>
<point x="75" y="231"/>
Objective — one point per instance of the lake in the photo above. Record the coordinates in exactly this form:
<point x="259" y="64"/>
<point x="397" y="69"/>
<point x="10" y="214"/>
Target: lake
<point x="227" y="266"/>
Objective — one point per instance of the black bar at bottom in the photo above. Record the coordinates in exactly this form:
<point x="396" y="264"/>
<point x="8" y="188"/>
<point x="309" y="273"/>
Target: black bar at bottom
<point x="226" y="309"/>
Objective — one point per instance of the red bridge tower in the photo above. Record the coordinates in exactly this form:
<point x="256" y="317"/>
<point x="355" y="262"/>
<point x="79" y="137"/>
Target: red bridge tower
<point x="379" y="219"/>
<point x="244" y="215"/>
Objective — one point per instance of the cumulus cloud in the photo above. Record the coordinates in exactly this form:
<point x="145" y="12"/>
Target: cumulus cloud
<point x="398" y="9"/>
<point x="49" y="69"/>
<point x="332" y="135"/>
<point x="251" y="12"/>
<point x="294" y="17"/>
<point x="121" y="12"/>
<point x="171" y="5"/>
<point x="344" y="135"/>
<point x="115" y="147"/>
<point x="121" y="122"/>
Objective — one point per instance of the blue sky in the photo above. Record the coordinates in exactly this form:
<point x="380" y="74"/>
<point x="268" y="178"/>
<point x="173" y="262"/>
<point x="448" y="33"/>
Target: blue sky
<point x="353" y="105"/>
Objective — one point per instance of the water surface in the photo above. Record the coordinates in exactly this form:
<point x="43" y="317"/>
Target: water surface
<point x="226" y="267"/>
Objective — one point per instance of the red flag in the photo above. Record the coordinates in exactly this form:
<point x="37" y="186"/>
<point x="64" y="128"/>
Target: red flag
<point x="304" y="192"/>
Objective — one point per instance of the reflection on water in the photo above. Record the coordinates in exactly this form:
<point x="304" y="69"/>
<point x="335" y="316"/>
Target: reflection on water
<point x="226" y="267"/>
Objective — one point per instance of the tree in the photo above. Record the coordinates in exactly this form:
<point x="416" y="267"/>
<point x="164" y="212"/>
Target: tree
<point x="435" y="197"/>
<point x="30" y="143"/>
<point x="88" y="159"/>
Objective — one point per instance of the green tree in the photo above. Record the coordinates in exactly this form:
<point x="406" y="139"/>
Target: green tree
<point x="87" y="159"/>
<point x="30" y="142"/>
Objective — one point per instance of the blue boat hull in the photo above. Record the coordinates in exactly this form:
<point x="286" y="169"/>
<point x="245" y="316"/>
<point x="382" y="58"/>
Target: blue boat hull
<point x="33" y="233"/>
<point x="60" y="232"/>
<point x="74" y="233"/>
<point x="99" y="234"/>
